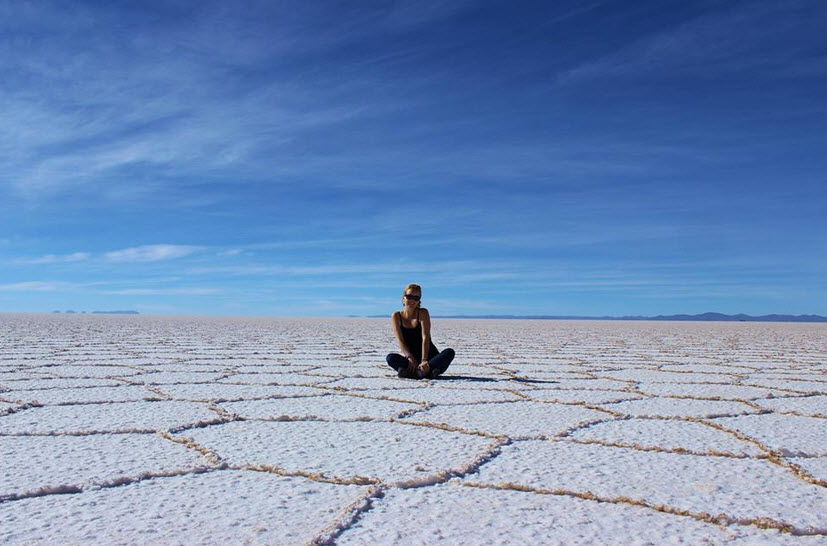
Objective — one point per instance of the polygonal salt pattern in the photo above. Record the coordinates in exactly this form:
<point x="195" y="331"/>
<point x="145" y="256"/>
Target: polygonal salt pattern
<point x="30" y="464"/>
<point x="658" y="376"/>
<point x="85" y="395"/>
<point x="100" y="370"/>
<point x="808" y="387"/>
<point x="369" y="383"/>
<point x="679" y="407"/>
<point x="812" y="405"/>
<point x="224" y="507"/>
<point x="789" y="434"/>
<point x="245" y="363"/>
<point x="513" y="419"/>
<point x="584" y="396"/>
<point x="740" y="488"/>
<point x="187" y="367"/>
<point x="548" y="376"/>
<point x="368" y="369"/>
<point x="232" y="391"/>
<point x="275" y="379"/>
<point x="110" y="417"/>
<point x="13" y="375"/>
<point x="668" y="434"/>
<point x="325" y="406"/>
<point x="543" y="367"/>
<point x="694" y="367"/>
<point x="705" y="390"/>
<point x="436" y="393"/>
<point x="517" y="413"/>
<point x="344" y="450"/>
<point x="163" y="377"/>
<point x="471" y="515"/>
<point x="579" y="383"/>
<point x="790" y="376"/>
<point x="58" y="383"/>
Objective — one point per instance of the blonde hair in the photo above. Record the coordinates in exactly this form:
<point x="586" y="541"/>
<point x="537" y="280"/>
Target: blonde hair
<point x="412" y="286"/>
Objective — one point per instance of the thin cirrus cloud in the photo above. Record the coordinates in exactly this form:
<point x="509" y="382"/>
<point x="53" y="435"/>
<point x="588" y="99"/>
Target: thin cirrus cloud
<point x="194" y="128"/>
<point x="137" y="254"/>
<point x="150" y="253"/>
<point x="162" y="292"/>
<point x="34" y="286"/>
<point x="715" y="44"/>
<point x="56" y="258"/>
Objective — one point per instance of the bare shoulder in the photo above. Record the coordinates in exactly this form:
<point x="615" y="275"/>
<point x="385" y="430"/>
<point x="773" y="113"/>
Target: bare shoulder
<point x="394" y="315"/>
<point x="423" y="313"/>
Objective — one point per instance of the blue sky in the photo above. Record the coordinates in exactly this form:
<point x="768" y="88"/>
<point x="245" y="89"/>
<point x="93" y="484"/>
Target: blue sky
<point x="311" y="158"/>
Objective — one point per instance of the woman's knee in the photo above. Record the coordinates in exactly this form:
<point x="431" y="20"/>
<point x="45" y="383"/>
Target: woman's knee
<point x="449" y="354"/>
<point x="396" y="360"/>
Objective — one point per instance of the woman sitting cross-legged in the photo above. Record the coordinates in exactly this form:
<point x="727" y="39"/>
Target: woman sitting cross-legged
<point x="412" y="326"/>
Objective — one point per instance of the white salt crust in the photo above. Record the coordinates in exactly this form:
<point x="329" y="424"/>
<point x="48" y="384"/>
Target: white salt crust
<point x="386" y="451"/>
<point x="110" y="417"/>
<point x="40" y="463"/>
<point x="670" y="434"/>
<point x="225" y="507"/>
<point x="86" y="395"/>
<point x="677" y="407"/>
<point x="788" y="434"/>
<point x="742" y="488"/>
<point x="325" y="406"/>
<point x="453" y="514"/>
<point x="182" y="430"/>
<point x="705" y="390"/>
<point x="513" y="418"/>
<point x="227" y="391"/>
<point x="801" y="404"/>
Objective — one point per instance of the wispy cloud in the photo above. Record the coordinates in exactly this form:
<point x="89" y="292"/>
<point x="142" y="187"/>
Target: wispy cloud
<point x="150" y="253"/>
<point x="714" y="44"/>
<point x="162" y="292"/>
<point x="361" y="268"/>
<point x="34" y="286"/>
<point x="138" y="106"/>
<point x="56" y="258"/>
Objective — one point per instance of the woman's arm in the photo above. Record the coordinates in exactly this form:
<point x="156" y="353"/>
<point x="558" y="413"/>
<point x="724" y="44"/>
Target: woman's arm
<point x="425" y="321"/>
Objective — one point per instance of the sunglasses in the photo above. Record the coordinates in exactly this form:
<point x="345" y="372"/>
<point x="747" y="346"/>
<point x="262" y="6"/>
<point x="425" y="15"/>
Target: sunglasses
<point x="413" y="297"/>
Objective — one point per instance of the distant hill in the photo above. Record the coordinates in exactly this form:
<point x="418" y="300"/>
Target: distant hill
<point x="127" y="312"/>
<point x="720" y="317"/>
<point x="708" y="317"/>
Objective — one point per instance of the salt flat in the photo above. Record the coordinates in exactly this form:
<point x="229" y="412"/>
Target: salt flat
<point x="179" y="430"/>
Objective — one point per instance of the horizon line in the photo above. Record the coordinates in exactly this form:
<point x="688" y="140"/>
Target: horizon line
<point x="709" y="316"/>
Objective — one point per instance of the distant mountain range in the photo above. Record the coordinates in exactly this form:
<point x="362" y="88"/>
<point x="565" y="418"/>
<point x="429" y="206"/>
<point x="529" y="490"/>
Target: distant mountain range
<point x="712" y="317"/>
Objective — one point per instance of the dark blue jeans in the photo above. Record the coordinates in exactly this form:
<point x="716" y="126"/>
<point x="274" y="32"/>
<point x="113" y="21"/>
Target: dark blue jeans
<point x="438" y="364"/>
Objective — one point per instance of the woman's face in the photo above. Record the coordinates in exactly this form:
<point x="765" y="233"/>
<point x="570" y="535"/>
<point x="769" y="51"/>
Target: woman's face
<point x="411" y="298"/>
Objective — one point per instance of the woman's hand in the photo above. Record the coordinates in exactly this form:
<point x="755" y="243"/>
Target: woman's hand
<point x="424" y="368"/>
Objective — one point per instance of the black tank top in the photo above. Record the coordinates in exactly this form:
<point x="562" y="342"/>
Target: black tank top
<point x="413" y="339"/>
